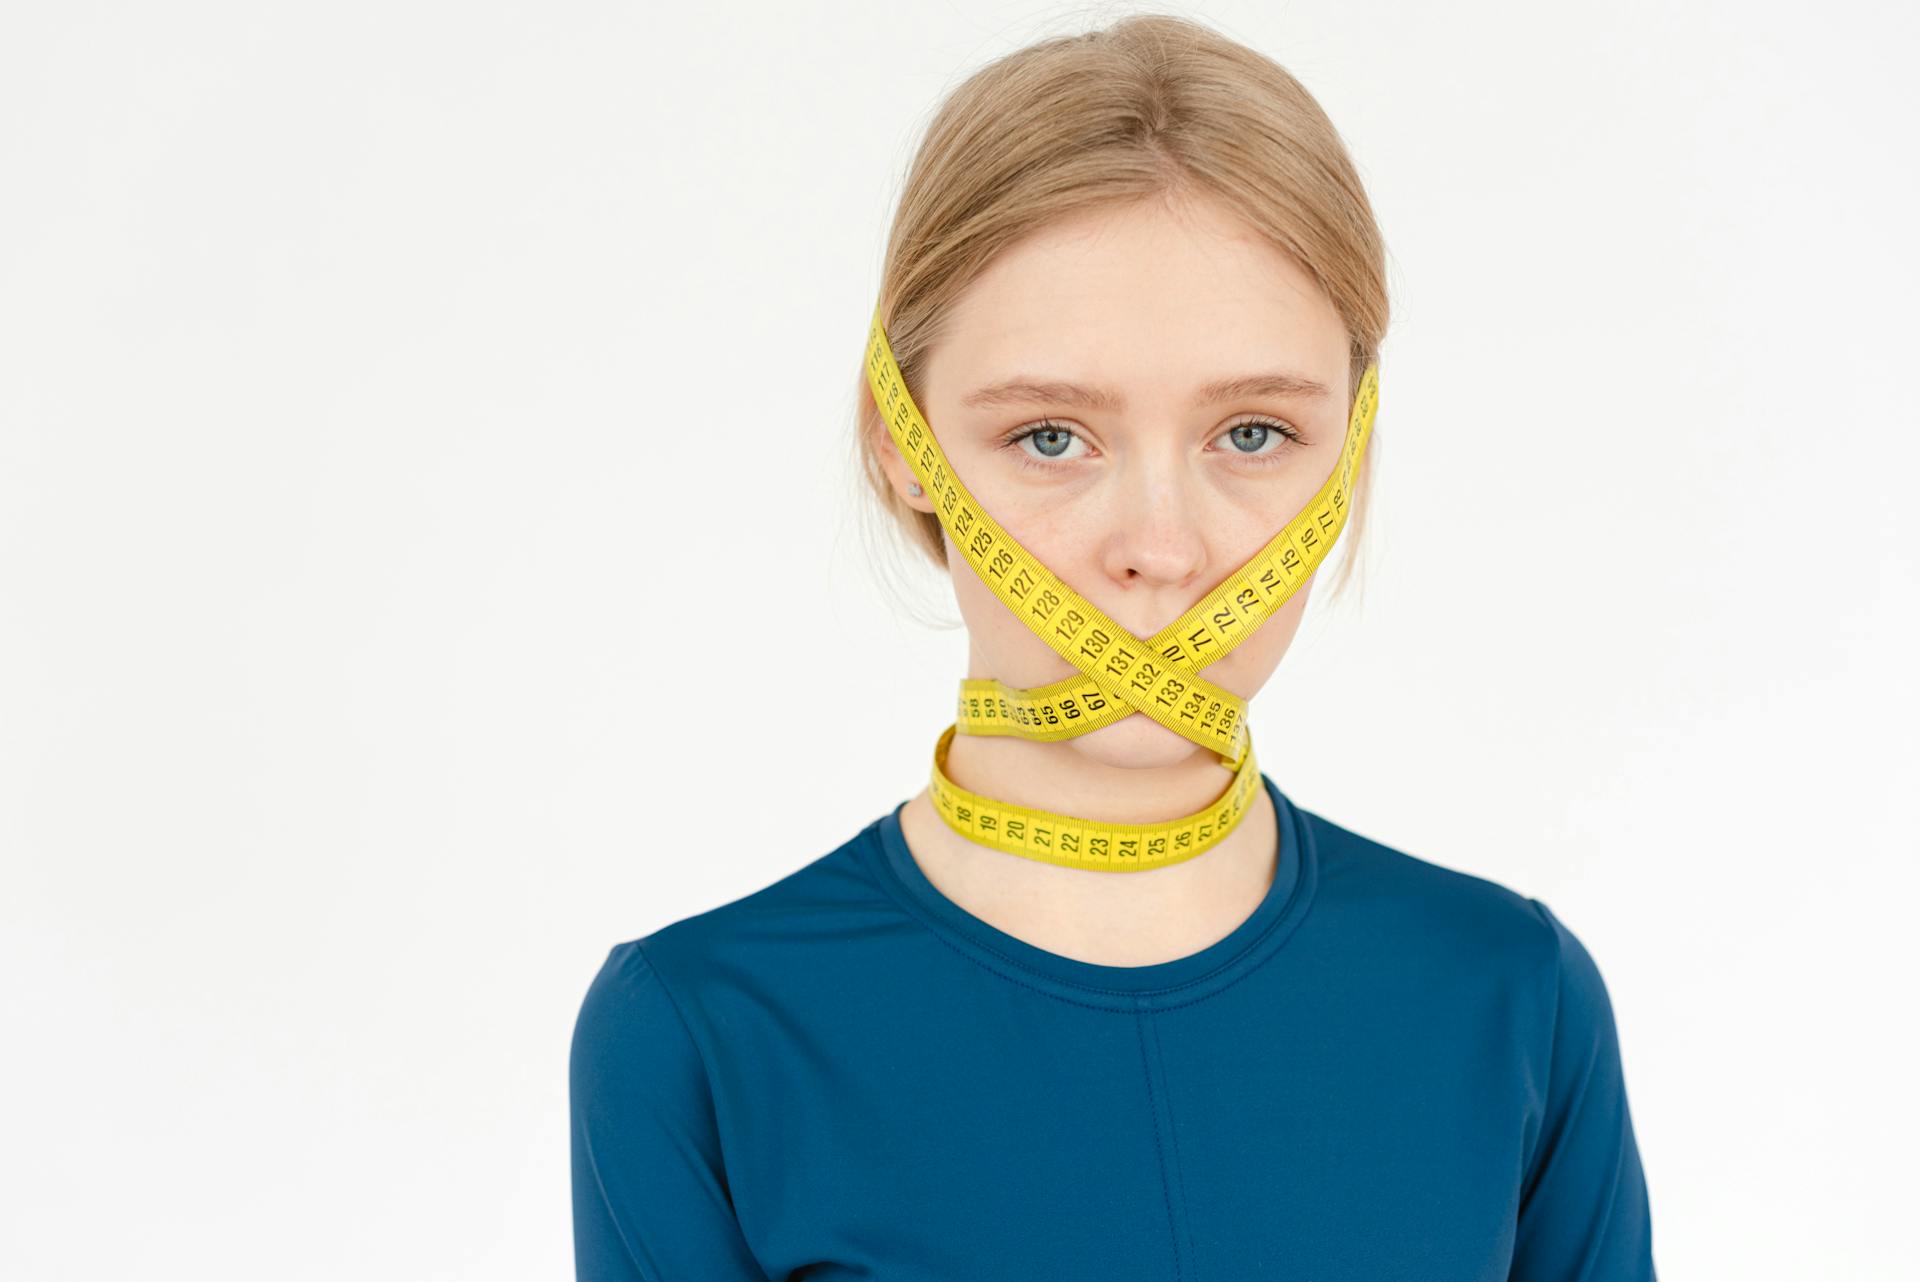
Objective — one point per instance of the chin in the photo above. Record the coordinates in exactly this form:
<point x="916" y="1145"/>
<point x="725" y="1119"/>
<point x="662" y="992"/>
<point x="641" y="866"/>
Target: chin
<point x="1138" y="743"/>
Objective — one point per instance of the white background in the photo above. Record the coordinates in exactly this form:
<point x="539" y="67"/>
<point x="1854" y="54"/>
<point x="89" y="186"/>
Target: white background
<point x="377" y="376"/>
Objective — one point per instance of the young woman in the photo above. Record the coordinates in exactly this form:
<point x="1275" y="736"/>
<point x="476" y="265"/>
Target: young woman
<point x="1120" y="382"/>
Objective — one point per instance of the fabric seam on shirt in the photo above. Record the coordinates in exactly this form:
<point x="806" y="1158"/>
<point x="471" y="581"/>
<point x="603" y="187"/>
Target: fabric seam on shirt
<point x="1531" y="1174"/>
<point x="1606" y="1213"/>
<point x="1153" y="1112"/>
<point x="606" y="1201"/>
<point x="1173" y="1142"/>
<point x="706" y="1071"/>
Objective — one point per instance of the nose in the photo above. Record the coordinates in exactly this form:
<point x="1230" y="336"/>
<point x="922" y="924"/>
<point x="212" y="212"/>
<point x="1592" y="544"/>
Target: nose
<point x="1155" y="536"/>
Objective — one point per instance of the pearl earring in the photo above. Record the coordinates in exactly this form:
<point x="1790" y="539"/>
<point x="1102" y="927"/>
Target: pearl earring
<point x="913" y="488"/>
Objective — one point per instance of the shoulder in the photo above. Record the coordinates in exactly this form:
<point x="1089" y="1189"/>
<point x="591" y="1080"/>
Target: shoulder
<point x="784" y="931"/>
<point x="1413" y="924"/>
<point x="1401" y="900"/>
<point x="630" y="1041"/>
<point x="1494" y="988"/>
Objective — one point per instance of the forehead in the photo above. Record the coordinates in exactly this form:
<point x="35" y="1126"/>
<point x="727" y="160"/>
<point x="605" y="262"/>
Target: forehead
<point x="1139" y="295"/>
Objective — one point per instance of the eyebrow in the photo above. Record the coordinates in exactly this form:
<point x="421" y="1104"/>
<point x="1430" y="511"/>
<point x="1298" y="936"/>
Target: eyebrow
<point x="1032" y="391"/>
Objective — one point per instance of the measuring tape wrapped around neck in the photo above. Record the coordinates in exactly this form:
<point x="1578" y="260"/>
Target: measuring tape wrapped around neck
<point x="1119" y="673"/>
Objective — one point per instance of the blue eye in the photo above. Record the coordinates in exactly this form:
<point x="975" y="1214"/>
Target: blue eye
<point x="1051" y="441"/>
<point x="1248" y="437"/>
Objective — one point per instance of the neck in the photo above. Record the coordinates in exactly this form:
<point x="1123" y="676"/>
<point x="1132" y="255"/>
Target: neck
<point x="1062" y="778"/>
<point x="1129" y="919"/>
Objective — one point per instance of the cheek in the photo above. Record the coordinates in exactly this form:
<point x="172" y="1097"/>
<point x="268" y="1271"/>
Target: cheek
<point x="1251" y="662"/>
<point x="996" y="631"/>
<point x="979" y="604"/>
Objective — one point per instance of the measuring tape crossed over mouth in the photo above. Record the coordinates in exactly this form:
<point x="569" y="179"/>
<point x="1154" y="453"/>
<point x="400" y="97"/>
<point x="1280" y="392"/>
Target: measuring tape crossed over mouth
<point x="1119" y="673"/>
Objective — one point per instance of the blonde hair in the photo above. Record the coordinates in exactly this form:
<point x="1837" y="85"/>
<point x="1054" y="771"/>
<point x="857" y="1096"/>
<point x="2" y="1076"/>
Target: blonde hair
<point x="1153" y="105"/>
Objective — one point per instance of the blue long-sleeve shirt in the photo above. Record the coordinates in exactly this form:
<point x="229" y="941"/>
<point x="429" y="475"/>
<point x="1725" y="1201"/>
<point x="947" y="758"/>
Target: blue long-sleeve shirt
<point x="1391" y="1070"/>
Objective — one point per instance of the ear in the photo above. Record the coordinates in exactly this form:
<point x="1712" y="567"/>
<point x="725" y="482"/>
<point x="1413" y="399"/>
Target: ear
<point x="896" y="468"/>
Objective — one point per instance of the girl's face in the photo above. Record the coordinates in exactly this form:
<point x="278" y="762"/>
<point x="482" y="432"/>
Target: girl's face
<point x="1074" y="393"/>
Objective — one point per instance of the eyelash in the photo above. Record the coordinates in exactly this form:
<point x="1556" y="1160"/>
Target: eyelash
<point x="1012" y="440"/>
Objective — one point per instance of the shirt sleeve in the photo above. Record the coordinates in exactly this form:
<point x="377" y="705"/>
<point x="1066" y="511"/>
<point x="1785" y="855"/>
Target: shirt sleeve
<point x="650" y="1198"/>
<point x="1584" y="1213"/>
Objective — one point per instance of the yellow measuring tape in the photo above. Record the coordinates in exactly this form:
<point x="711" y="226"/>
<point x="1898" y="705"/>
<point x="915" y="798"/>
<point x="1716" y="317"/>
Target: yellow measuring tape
<point x="1119" y="673"/>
